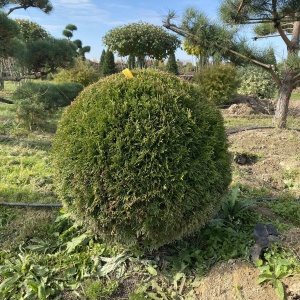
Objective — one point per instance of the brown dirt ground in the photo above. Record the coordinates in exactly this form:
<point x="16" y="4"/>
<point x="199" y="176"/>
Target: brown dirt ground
<point x="264" y="158"/>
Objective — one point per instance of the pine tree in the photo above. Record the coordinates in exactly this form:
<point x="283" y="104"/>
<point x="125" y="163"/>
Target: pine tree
<point x="101" y="62"/>
<point x="109" y="66"/>
<point x="171" y="65"/>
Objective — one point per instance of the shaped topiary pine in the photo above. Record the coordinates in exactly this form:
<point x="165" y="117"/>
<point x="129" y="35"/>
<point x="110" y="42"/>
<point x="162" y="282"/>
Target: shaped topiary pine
<point x="141" y="160"/>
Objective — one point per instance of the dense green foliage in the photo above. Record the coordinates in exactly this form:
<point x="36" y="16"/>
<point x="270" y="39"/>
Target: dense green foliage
<point x="101" y="62"/>
<point x="81" y="50"/>
<point x="256" y="81"/>
<point x="141" y="160"/>
<point x="218" y="83"/>
<point x="48" y="267"/>
<point x="141" y="40"/>
<point x="109" y="66"/>
<point x="9" y="31"/>
<point x="30" y="47"/>
<point x="171" y="65"/>
<point x="31" y="31"/>
<point x="36" y="101"/>
<point x="82" y="72"/>
<point x="49" y="54"/>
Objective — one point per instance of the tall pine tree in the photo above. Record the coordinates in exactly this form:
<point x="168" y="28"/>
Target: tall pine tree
<point x="171" y="65"/>
<point x="109" y="66"/>
<point x="101" y="62"/>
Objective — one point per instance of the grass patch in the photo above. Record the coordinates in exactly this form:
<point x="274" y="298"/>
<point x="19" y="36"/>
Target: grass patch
<point x="286" y="207"/>
<point x="25" y="168"/>
<point x="248" y="121"/>
<point x="295" y="96"/>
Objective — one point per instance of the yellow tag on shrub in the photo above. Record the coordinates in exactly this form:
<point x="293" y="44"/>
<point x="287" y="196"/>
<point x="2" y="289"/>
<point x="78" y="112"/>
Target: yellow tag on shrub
<point x="127" y="73"/>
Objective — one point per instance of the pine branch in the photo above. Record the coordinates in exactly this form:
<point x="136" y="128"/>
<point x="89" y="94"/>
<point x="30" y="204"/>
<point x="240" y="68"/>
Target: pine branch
<point x="184" y="33"/>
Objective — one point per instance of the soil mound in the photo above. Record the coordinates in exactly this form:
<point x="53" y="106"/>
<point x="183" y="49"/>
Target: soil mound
<point x="250" y="105"/>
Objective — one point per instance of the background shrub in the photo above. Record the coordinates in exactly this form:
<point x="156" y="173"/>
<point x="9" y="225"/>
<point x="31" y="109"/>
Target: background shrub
<point x="218" y="83"/>
<point x="141" y="160"/>
<point x="82" y="72"/>
<point x="256" y="81"/>
<point x="36" y="101"/>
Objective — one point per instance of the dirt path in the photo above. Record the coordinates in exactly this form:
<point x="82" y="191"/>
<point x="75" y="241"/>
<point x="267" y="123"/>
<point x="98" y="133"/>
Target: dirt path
<point x="270" y="159"/>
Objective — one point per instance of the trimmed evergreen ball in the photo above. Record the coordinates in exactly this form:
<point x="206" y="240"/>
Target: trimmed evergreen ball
<point x="142" y="160"/>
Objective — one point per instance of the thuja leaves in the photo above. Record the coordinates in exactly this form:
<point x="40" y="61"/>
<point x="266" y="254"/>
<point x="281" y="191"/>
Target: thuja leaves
<point x="142" y="161"/>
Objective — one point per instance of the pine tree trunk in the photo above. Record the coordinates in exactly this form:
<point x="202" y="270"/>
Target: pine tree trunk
<point x="284" y="95"/>
<point x="287" y="85"/>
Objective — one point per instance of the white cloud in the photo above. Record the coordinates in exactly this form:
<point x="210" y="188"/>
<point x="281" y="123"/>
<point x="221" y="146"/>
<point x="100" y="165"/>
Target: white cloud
<point x="80" y="10"/>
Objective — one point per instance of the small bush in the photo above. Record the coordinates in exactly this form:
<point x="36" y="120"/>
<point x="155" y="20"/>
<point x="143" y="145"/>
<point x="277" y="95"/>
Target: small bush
<point x="218" y="83"/>
<point x="95" y="290"/>
<point x="82" y="73"/>
<point x="256" y="81"/>
<point x="141" y="160"/>
<point x="37" y="101"/>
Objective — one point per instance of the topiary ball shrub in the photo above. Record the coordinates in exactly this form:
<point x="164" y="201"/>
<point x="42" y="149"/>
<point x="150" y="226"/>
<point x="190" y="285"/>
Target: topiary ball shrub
<point x="141" y="160"/>
<point x="218" y="83"/>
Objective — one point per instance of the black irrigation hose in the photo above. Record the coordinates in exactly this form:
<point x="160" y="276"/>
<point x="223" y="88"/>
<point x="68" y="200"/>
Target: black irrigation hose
<point x="30" y="204"/>
<point x="255" y="128"/>
<point x="271" y="199"/>
<point x="251" y="128"/>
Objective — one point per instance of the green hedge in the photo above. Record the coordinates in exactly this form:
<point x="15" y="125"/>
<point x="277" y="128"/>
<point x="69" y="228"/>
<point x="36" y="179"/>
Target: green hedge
<point x="218" y="83"/>
<point x="141" y="160"/>
<point x="256" y="81"/>
<point x="37" y="101"/>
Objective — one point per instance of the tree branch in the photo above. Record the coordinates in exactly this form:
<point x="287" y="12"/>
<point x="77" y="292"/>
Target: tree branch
<point x="297" y="77"/>
<point x="183" y="33"/>
<point x="174" y="28"/>
<point x="265" y="37"/>
<point x="16" y="7"/>
<point x="284" y="36"/>
<point x="256" y="62"/>
<point x="31" y="76"/>
<point x="239" y="8"/>
<point x="296" y="84"/>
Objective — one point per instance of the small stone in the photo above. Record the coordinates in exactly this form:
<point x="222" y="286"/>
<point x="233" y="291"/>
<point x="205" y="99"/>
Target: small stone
<point x="264" y="236"/>
<point x="263" y="242"/>
<point x="260" y="231"/>
<point x="271" y="229"/>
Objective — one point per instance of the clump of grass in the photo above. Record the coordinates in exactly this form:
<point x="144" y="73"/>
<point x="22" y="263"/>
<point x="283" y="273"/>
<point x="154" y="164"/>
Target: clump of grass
<point x="26" y="173"/>
<point x="286" y="207"/>
<point x="253" y="121"/>
<point x="23" y="224"/>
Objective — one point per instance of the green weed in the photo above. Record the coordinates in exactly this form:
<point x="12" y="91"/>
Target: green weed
<point x="43" y="268"/>
<point x="99" y="289"/>
<point x="278" y="263"/>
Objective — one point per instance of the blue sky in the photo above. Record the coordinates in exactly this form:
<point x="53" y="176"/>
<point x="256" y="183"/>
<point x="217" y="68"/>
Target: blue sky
<point x="95" y="18"/>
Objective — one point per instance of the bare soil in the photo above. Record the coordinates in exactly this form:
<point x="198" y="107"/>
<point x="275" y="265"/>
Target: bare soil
<point x="263" y="158"/>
